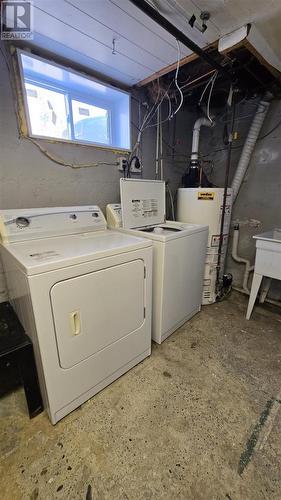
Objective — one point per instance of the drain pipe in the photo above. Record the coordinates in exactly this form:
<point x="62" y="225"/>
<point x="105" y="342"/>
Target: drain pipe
<point x="237" y="258"/>
<point x="248" y="268"/>
<point x="269" y="301"/>
<point x="250" y="143"/>
<point x="195" y="139"/>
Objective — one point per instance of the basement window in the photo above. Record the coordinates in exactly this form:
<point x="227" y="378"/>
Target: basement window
<point x="67" y="106"/>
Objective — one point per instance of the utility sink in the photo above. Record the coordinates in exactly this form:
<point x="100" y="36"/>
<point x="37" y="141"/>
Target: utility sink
<point x="267" y="264"/>
<point x="273" y="236"/>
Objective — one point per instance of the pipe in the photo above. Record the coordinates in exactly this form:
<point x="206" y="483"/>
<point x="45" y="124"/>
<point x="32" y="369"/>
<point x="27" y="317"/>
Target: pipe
<point x="250" y="143"/>
<point x="231" y="112"/>
<point x="237" y="258"/>
<point x="161" y="147"/>
<point x="270" y="301"/>
<point x="179" y="35"/>
<point x="196" y="136"/>
<point x="157" y="144"/>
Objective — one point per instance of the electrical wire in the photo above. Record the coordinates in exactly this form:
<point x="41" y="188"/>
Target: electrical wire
<point x="50" y="156"/>
<point x="8" y="63"/>
<point x="240" y="146"/>
<point x="176" y="80"/>
<point x="205" y="89"/>
<point x="155" y="111"/>
<point x="270" y="131"/>
<point x="148" y="115"/>
<point x="170" y="106"/>
<point x="161" y="123"/>
<point x="177" y="153"/>
<point x="211" y="82"/>
<point x="210" y="95"/>
<point x="62" y="162"/>
<point x="170" y="114"/>
<point x="243" y="117"/>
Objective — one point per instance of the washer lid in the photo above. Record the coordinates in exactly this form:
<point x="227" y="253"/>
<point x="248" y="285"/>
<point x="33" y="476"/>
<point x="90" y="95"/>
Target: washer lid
<point x="142" y="202"/>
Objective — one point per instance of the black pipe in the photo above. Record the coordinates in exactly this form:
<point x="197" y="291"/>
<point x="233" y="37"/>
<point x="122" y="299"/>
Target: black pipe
<point x="231" y="109"/>
<point x="179" y="35"/>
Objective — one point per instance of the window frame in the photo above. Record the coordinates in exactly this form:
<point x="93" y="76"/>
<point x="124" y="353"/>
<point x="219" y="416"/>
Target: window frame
<point x="69" y="96"/>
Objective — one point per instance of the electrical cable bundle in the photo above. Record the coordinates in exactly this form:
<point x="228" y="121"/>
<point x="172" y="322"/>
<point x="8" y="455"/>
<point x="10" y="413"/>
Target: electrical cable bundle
<point x="210" y="83"/>
<point x="150" y="114"/>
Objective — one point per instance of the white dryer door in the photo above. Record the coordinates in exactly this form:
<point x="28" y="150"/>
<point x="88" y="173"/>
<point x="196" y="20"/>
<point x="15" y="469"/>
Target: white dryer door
<point x="97" y="309"/>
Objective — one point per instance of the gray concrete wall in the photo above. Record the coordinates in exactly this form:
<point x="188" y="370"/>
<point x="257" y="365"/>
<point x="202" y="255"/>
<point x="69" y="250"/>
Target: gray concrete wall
<point x="30" y="179"/>
<point x="260" y="194"/>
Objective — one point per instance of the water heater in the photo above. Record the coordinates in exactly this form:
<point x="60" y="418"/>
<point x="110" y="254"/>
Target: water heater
<point x="204" y="206"/>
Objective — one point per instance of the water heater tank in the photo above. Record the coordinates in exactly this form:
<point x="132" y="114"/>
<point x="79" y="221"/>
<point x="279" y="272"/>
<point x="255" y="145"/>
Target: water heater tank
<point x="204" y="206"/>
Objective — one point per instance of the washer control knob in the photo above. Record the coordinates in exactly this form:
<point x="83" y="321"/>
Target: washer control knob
<point x="73" y="216"/>
<point x="22" y="222"/>
<point x="95" y="214"/>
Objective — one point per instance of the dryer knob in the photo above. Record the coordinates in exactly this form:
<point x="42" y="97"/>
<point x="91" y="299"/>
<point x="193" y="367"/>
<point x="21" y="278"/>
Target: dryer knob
<point x="22" y="222"/>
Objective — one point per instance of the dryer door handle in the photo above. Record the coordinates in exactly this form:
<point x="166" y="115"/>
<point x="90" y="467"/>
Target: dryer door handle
<point x="75" y="323"/>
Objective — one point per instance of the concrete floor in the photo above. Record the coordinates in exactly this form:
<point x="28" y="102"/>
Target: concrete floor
<point x="199" y="420"/>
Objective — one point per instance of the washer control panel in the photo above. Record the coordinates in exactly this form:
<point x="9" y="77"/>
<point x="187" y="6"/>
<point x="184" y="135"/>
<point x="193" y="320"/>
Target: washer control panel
<point x="114" y="215"/>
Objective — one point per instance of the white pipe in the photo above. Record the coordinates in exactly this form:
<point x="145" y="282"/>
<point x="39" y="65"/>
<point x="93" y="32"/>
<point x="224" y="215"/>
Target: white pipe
<point x="161" y="148"/>
<point x="270" y="301"/>
<point x="237" y="258"/>
<point x="196" y="135"/>
<point x="157" y="145"/>
<point x="250" y="143"/>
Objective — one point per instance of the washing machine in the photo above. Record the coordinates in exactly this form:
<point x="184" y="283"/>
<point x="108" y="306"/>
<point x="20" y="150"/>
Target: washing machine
<point x="82" y="293"/>
<point x="179" y="252"/>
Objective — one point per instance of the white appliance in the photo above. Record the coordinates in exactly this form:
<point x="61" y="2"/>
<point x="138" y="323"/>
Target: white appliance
<point x="179" y="252"/>
<point x="267" y="265"/>
<point x="204" y="206"/>
<point x="114" y="215"/>
<point x="83" y="294"/>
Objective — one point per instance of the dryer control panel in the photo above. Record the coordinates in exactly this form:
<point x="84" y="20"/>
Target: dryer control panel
<point x="34" y="223"/>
